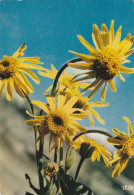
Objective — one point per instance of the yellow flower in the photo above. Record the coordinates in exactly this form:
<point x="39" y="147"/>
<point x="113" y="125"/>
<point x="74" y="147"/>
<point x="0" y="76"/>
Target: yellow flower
<point x="12" y="69"/>
<point x="59" y="121"/>
<point x="105" y="62"/>
<point x="98" y="151"/>
<point x="83" y="102"/>
<point x="122" y="155"/>
<point x="65" y="80"/>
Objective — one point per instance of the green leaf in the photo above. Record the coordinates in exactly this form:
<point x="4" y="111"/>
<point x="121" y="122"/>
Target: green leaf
<point x="70" y="187"/>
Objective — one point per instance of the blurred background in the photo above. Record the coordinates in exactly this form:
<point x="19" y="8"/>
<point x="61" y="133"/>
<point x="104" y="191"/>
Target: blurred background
<point x="50" y="29"/>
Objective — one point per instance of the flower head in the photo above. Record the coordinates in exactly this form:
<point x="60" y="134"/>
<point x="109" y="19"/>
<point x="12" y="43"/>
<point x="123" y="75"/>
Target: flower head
<point x="51" y="168"/>
<point x="122" y="156"/>
<point x="12" y="69"/>
<point x="83" y="102"/>
<point x="105" y="62"/>
<point x="65" y="80"/>
<point x="59" y="121"/>
<point x="98" y="150"/>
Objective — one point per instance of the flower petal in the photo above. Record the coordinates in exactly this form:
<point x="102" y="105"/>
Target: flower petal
<point x="97" y="38"/>
<point x="130" y="129"/>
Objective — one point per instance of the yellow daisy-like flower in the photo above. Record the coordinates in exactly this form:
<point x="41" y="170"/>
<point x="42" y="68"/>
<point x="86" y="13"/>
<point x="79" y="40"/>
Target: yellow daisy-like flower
<point x="83" y="102"/>
<point x="98" y="151"/>
<point x="105" y="61"/>
<point x="122" y="156"/>
<point x="65" y="80"/>
<point x="12" y="69"/>
<point x="59" y="121"/>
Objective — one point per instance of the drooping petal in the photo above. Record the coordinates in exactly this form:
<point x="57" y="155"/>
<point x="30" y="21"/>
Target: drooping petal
<point x="31" y="75"/>
<point x="120" y="134"/>
<point x="2" y="84"/>
<point x="103" y="94"/>
<point x="8" y="89"/>
<point x="17" y="87"/>
<point x="97" y="116"/>
<point x="130" y="129"/>
<point x="96" y="89"/>
<point x="114" y="141"/>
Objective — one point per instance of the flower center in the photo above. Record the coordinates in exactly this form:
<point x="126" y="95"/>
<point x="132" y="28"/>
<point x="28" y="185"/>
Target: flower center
<point x="107" y="63"/>
<point x="128" y="147"/>
<point x="8" y="67"/>
<point x="51" y="168"/>
<point x="56" y="122"/>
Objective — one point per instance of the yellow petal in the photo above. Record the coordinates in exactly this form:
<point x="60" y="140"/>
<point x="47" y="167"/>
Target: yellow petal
<point x="70" y="103"/>
<point x="121" y="77"/>
<point x="31" y="66"/>
<point x="96" y="89"/>
<point x="25" y="81"/>
<point x="86" y="58"/>
<point x="123" y="43"/>
<point x="41" y="105"/>
<point x="51" y="102"/>
<point x="120" y="134"/>
<point x="126" y="70"/>
<point x="97" y="38"/>
<point x="103" y="94"/>
<point x="90" y="117"/>
<point x="17" y="87"/>
<point x="104" y="35"/>
<point x="98" y="104"/>
<point x="31" y="75"/>
<point x="83" y="66"/>
<point x="2" y="84"/>
<point x="34" y="60"/>
<point x="130" y="129"/>
<point x="97" y="116"/>
<point x="112" y="85"/>
<point x="111" y="33"/>
<point x="117" y="38"/>
<point x="19" y="52"/>
<point x="8" y="89"/>
<point x="127" y="46"/>
<point x="115" y="141"/>
<point x="87" y="45"/>
<point x="61" y="101"/>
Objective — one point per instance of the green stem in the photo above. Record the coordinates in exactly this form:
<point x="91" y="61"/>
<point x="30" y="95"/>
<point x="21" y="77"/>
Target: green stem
<point x="78" y="168"/>
<point x="61" y="155"/>
<point x="54" y="89"/>
<point x="39" y="150"/>
<point x="67" y="156"/>
<point x="93" y="131"/>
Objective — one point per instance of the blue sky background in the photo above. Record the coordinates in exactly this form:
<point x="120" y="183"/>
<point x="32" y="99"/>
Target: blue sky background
<point x="49" y="29"/>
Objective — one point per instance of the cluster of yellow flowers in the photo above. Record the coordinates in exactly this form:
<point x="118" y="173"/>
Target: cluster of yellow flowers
<point x="61" y="112"/>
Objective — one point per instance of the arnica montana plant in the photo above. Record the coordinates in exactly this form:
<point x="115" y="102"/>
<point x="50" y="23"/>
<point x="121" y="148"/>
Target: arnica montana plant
<point x="56" y="127"/>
